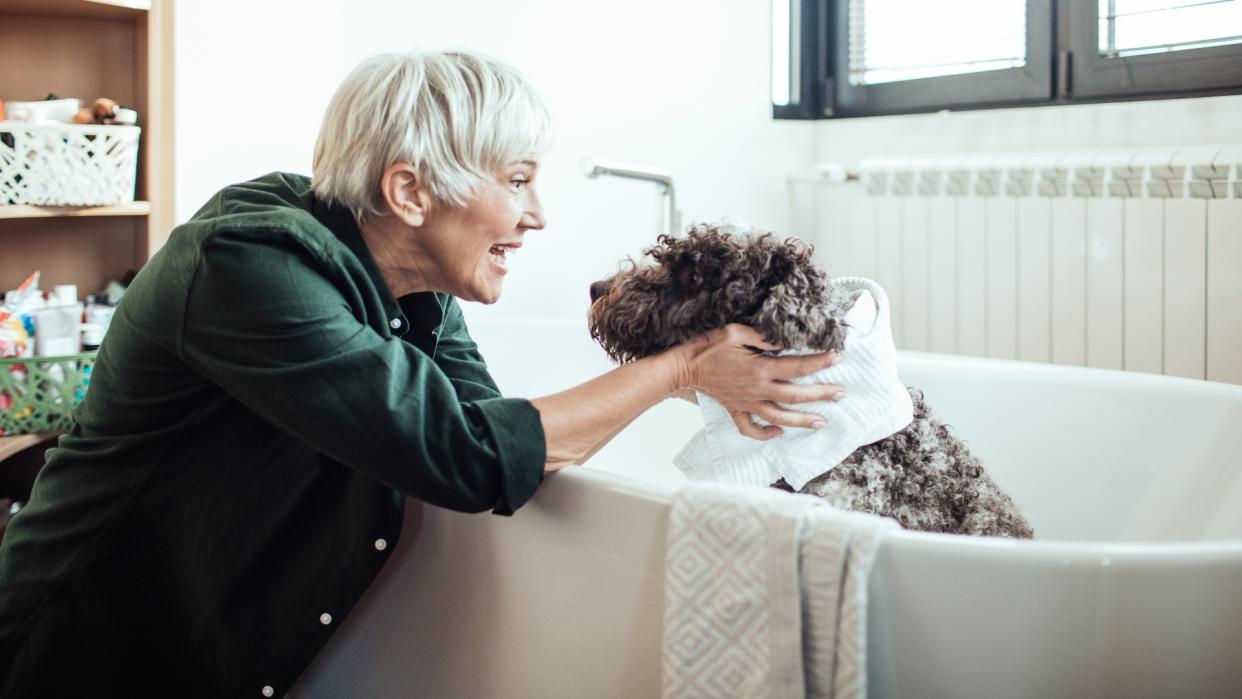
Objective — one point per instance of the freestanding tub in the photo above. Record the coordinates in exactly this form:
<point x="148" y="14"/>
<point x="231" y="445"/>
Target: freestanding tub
<point x="1133" y="587"/>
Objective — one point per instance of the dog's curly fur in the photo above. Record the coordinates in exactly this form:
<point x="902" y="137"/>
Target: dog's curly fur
<point x="923" y="476"/>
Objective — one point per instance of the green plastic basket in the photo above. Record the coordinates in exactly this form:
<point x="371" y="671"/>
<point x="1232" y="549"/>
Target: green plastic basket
<point x="38" y="394"/>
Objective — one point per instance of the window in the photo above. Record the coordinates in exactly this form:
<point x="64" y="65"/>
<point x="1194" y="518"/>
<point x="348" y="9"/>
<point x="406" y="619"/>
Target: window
<point x="835" y="58"/>
<point x="1155" y="48"/>
<point x="1137" y="27"/>
<point x="890" y="42"/>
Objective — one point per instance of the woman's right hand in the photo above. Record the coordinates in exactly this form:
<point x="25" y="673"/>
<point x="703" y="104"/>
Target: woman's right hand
<point x="727" y="365"/>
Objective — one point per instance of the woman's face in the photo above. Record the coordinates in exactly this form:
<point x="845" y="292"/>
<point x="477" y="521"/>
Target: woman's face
<point x="473" y="244"/>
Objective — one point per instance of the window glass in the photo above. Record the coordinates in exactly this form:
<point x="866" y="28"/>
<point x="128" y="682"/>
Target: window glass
<point x="1135" y="27"/>
<point x="892" y="40"/>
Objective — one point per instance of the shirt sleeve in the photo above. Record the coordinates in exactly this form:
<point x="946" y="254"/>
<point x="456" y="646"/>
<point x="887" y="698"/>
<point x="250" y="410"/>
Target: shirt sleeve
<point x="280" y="331"/>
<point x="458" y="356"/>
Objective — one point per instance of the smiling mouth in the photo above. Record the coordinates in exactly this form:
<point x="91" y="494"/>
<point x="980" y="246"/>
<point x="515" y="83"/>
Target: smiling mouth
<point x="500" y="254"/>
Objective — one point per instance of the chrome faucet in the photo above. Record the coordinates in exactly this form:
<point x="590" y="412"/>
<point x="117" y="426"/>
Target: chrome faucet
<point x="670" y="215"/>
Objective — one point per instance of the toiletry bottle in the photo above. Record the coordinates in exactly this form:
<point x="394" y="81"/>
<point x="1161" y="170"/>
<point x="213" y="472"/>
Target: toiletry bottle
<point x="65" y="294"/>
<point x="98" y="317"/>
<point x="58" y="330"/>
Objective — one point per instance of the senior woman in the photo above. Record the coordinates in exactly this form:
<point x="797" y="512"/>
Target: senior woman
<point x="286" y="370"/>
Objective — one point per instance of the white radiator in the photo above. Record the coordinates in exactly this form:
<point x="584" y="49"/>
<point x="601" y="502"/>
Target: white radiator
<point x="1118" y="260"/>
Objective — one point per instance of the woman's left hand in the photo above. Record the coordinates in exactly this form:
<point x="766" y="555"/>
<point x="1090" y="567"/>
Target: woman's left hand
<point x="728" y="365"/>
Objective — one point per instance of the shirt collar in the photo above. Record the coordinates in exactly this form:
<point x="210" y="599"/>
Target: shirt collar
<point x="425" y="306"/>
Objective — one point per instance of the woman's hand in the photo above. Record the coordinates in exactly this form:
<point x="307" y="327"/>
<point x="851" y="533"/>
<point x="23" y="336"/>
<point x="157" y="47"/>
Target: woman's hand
<point x="726" y="365"/>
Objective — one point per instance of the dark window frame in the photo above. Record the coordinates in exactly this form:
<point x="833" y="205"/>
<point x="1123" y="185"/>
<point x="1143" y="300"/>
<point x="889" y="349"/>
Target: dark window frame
<point x="1063" y="67"/>
<point x="814" y="64"/>
<point x="1159" y="75"/>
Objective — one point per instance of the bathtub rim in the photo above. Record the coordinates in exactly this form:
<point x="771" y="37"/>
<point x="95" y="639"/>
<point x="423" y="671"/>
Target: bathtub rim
<point x="1110" y="377"/>
<point x="1063" y="553"/>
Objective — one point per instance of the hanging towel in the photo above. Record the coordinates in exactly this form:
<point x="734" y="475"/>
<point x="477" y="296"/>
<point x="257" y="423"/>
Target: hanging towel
<point x="876" y="405"/>
<point x="732" y="619"/>
<point x="740" y="619"/>
<point x="838" y="551"/>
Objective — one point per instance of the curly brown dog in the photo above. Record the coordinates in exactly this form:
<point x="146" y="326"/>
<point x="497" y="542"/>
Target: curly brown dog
<point x="923" y="476"/>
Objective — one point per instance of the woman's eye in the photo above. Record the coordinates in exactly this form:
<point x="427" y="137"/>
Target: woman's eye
<point x="518" y="183"/>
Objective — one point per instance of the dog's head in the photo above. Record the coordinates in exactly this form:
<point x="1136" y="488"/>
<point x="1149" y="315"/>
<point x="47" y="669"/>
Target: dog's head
<point x="713" y="276"/>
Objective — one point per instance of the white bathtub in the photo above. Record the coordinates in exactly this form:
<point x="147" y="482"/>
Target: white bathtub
<point x="1133" y="587"/>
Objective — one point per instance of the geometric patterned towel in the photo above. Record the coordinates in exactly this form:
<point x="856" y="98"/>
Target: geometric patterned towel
<point x="838" y="552"/>
<point x="739" y="619"/>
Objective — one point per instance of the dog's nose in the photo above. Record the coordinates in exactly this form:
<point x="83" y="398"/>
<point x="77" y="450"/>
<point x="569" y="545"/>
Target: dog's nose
<point x="598" y="289"/>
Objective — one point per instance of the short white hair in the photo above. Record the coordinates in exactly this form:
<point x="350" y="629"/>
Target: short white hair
<point x="456" y="116"/>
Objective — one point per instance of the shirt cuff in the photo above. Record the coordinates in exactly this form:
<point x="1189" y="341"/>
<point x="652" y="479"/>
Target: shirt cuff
<point x="521" y="445"/>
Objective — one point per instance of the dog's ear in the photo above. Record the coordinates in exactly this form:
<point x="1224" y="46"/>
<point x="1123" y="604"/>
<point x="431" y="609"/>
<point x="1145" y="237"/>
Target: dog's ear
<point x="792" y="320"/>
<point x="796" y="314"/>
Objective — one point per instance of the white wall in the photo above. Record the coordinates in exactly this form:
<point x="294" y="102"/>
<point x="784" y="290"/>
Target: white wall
<point x="680" y="85"/>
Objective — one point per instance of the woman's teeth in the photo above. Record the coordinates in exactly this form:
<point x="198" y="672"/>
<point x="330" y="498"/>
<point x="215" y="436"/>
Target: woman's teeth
<point x="500" y="254"/>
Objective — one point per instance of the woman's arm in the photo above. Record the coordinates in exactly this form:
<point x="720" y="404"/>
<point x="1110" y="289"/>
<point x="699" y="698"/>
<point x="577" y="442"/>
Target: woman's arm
<point x="267" y="324"/>
<point x="579" y="421"/>
<point x="723" y="364"/>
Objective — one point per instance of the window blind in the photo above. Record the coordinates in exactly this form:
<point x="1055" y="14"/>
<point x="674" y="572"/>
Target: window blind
<point x="894" y="40"/>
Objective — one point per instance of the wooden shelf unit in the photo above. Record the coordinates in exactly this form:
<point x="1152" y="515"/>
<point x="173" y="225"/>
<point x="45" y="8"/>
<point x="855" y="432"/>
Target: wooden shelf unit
<point x="76" y="8"/>
<point x="10" y="446"/>
<point x="80" y="48"/>
<point x="136" y="208"/>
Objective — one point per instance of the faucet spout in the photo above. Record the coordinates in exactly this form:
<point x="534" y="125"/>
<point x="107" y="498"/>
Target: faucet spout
<point x="670" y="216"/>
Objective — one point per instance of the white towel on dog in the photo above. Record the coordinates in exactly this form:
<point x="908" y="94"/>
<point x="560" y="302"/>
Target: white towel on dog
<point x="876" y="405"/>
<point x="765" y="594"/>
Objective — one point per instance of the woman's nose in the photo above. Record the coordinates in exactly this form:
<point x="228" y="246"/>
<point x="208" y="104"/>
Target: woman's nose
<point x="532" y="218"/>
<point x="533" y="221"/>
<point x="598" y="289"/>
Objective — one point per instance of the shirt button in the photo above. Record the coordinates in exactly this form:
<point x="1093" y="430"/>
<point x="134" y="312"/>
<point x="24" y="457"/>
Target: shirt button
<point x="380" y="544"/>
<point x="268" y="691"/>
<point x="394" y="323"/>
<point x="325" y="618"/>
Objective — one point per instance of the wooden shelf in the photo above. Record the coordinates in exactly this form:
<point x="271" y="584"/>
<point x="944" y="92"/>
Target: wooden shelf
<point x="18" y="443"/>
<point x="90" y="9"/>
<point x="135" y="208"/>
<point x="121" y="49"/>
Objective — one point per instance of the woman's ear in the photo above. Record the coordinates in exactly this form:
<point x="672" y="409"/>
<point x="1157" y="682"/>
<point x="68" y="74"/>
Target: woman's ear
<point x="405" y="194"/>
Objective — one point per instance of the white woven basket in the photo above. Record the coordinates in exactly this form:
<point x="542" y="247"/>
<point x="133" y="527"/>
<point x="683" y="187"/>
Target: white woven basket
<point x="67" y="164"/>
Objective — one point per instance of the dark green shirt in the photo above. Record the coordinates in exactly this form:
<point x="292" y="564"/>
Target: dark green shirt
<point x="236" y="475"/>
